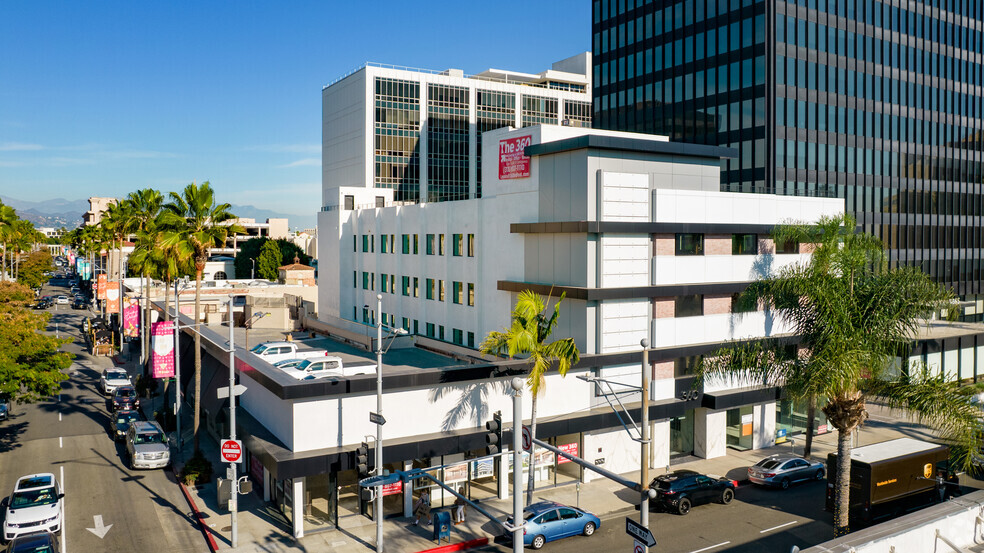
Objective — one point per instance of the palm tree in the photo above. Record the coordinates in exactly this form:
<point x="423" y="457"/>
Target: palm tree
<point x="146" y="205"/>
<point x="527" y="335"/>
<point x="7" y="218"/>
<point x="855" y="315"/>
<point x="118" y="223"/>
<point x="198" y="224"/>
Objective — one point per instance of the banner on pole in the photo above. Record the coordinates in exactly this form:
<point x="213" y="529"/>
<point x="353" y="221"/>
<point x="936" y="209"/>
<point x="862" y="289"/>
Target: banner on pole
<point x="101" y="287"/>
<point x="162" y="359"/>
<point x="113" y="296"/>
<point x="131" y="318"/>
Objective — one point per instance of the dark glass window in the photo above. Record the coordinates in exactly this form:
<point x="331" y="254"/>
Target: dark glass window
<point x="744" y="244"/>
<point x="789" y="246"/>
<point x="691" y="305"/>
<point x="684" y="366"/>
<point x="739" y="306"/>
<point x="689" y="244"/>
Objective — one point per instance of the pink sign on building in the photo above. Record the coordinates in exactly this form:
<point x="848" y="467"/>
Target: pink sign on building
<point x="513" y="161"/>
<point x="162" y="360"/>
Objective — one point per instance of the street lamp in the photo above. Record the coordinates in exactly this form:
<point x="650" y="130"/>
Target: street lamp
<point x="185" y="282"/>
<point x="252" y="272"/>
<point x="251" y="321"/>
<point x="378" y="510"/>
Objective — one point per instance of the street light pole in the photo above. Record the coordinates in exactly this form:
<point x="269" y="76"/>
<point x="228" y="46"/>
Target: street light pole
<point x="233" y="478"/>
<point x="252" y="272"/>
<point x="378" y="510"/>
<point x="177" y="365"/>
<point x="644" y="485"/>
<point x="517" y="447"/>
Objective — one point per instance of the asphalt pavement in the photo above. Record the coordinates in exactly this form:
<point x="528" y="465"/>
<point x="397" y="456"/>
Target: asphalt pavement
<point x="107" y="506"/>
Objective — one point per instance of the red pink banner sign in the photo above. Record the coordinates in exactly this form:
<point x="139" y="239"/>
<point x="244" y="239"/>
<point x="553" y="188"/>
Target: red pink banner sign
<point x="162" y="359"/>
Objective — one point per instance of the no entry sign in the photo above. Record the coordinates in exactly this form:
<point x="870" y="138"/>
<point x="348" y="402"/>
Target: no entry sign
<point x="232" y="451"/>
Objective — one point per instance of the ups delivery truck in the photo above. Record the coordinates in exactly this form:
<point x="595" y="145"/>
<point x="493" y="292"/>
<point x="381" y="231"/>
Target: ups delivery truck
<point x="892" y="477"/>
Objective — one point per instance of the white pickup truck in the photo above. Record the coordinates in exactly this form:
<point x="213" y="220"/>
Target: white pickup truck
<point x="271" y="352"/>
<point x="322" y="367"/>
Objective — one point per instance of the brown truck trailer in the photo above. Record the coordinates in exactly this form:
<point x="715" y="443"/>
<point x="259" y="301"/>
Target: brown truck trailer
<point x="892" y="477"/>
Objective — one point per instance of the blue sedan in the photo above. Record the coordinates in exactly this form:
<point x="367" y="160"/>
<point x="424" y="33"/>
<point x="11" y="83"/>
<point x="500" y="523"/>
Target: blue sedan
<point x="549" y="521"/>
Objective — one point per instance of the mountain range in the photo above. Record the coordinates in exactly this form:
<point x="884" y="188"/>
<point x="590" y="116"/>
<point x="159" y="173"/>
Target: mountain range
<point x="60" y="212"/>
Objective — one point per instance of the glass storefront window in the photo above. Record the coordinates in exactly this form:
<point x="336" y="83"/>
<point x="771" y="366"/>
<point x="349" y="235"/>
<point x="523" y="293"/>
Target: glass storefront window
<point x="791" y="417"/>
<point x="319" y="502"/>
<point x="740" y="427"/>
<point x="682" y="435"/>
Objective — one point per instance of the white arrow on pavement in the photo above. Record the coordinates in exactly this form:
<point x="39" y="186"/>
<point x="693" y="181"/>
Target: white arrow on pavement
<point x="99" y="530"/>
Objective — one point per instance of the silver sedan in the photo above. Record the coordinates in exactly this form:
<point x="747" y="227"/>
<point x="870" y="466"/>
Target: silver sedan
<point x="783" y="469"/>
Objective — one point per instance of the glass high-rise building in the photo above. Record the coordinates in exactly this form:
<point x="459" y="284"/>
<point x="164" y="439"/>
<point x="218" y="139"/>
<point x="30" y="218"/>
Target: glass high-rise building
<point x="876" y="102"/>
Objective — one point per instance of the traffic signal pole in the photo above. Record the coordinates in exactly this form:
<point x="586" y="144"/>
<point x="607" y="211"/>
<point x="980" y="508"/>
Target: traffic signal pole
<point x="644" y="478"/>
<point x="517" y="447"/>
<point x="378" y="510"/>
<point x="233" y="477"/>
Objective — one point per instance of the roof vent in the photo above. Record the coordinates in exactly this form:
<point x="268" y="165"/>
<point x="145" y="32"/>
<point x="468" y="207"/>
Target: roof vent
<point x="453" y="73"/>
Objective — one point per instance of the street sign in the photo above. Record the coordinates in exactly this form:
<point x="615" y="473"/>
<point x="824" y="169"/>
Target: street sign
<point x="639" y="532"/>
<point x="224" y="391"/>
<point x="232" y="451"/>
<point x="639" y="548"/>
<point x="527" y="439"/>
<point x="376" y="418"/>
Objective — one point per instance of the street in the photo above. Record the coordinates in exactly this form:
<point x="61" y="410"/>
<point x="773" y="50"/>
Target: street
<point x="107" y="506"/>
<point x="757" y="520"/>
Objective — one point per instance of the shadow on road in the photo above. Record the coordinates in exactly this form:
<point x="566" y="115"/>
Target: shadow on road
<point x="10" y="433"/>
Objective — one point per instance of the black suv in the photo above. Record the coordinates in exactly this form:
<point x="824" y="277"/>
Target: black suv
<point x="124" y="398"/>
<point x="681" y="489"/>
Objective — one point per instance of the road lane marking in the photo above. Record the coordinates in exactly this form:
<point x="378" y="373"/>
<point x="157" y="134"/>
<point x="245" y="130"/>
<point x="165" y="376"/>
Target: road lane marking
<point x="59" y="417"/>
<point x="711" y="547"/>
<point x="777" y="527"/>
<point x="59" y="442"/>
<point x="100" y="529"/>
<point x="64" y="532"/>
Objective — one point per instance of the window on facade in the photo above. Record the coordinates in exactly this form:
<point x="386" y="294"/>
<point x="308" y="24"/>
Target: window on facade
<point x="471" y="245"/>
<point x="383" y="243"/>
<point x="406" y="243"/>
<point x="440" y="332"/>
<point x="355" y="243"/>
<point x="365" y="243"/>
<point x="440" y="290"/>
<point x="416" y="287"/>
<point x="685" y="366"/>
<point x="430" y="288"/>
<point x="416" y="326"/>
<point x="406" y="286"/>
<point x="738" y="305"/>
<point x="405" y="324"/>
<point x="430" y="244"/>
<point x="788" y="246"/>
<point x="457" y="292"/>
<point x="691" y="305"/>
<point x="456" y="244"/>
<point x="744" y="244"/>
<point x="689" y="244"/>
<point x="457" y="336"/>
<point x="471" y="340"/>
<point x="471" y="294"/>
<point x="430" y="330"/>
<point x="365" y="280"/>
<point x="440" y="244"/>
<point x="349" y="203"/>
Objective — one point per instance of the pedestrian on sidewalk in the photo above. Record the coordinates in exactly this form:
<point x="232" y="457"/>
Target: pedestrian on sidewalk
<point x="421" y="509"/>
<point x="459" y="508"/>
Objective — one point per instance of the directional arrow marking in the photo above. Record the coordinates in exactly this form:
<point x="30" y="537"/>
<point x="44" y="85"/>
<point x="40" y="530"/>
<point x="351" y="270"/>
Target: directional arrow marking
<point x="99" y="530"/>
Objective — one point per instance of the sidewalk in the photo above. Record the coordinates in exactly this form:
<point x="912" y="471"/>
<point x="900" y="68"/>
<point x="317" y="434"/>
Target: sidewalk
<point x="264" y="529"/>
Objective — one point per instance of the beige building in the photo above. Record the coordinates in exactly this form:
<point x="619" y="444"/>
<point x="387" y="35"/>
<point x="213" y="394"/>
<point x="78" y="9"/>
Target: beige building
<point x="297" y="274"/>
<point x="97" y="206"/>
<point x="274" y="229"/>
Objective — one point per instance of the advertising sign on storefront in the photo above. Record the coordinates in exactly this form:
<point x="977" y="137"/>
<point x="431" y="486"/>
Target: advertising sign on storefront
<point x="162" y="361"/>
<point x="391" y="489"/>
<point x="566" y="448"/>
<point x="513" y="161"/>
<point x="483" y="468"/>
<point x="456" y="473"/>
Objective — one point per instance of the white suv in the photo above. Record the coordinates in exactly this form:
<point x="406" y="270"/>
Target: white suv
<point x="35" y="505"/>
<point x="146" y="446"/>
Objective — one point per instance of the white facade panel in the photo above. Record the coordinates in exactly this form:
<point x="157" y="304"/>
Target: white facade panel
<point x="716" y="328"/>
<point x="624" y="323"/>
<point x="624" y="260"/>
<point x="615" y="448"/>
<point x="624" y="197"/>
<point x="689" y="269"/>
<point x="694" y="206"/>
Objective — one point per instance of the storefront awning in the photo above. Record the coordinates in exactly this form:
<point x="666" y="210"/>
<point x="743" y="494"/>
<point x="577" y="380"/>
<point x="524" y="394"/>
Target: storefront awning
<point x="728" y="399"/>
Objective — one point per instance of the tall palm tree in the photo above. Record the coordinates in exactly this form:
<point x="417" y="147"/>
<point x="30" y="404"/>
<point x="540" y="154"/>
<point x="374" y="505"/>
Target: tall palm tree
<point x="527" y="335"/>
<point x="855" y="315"/>
<point x="146" y="205"/>
<point x="7" y="218"/>
<point x="198" y="224"/>
<point x="118" y="224"/>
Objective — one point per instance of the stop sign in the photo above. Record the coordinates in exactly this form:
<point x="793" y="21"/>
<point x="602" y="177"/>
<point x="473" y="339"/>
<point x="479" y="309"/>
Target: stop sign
<point x="232" y="451"/>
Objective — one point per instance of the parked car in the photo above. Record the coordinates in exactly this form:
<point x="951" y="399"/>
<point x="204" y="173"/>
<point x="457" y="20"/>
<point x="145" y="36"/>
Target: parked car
<point x="783" y="469"/>
<point x="146" y="446"/>
<point x="79" y="303"/>
<point x="681" y="489"/>
<point x="271" y="352"/>
<point x="112" y="379"/>
<point x="124" y="397"/>
<point x="288" y="363"/>
<point x="35" y="504"/>
<point x="4" y="408"/>
<point x="324" y="367"/>
<point x="549" y="521"/>
<point x="35" y="542"/>
<point x="62" y="300"/>
<point x="120" y="422"/>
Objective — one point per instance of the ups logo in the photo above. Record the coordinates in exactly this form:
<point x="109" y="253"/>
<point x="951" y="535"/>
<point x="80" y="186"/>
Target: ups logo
<point x="928" y="470"/>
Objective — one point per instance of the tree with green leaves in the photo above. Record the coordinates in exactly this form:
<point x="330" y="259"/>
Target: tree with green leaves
<point x="249" y="253"/>
<point x="268" y="261"/>
<point x="197" y="224"/>
<point x="855" y="315"/>
<point x="30" y="361"/>
<point x="32" y="271"/>
<point x="527" y="335"/>
<point x="146" y="205"/>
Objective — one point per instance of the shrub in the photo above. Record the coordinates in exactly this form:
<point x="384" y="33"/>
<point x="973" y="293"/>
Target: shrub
<point x="198" y="470"/>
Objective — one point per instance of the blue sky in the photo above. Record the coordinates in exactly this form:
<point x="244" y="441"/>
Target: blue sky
<point x="103" y="98"/>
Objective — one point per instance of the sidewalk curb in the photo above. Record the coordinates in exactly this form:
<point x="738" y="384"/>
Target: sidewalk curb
<point x="460" y="546"/>
<point x="209" y="539"/>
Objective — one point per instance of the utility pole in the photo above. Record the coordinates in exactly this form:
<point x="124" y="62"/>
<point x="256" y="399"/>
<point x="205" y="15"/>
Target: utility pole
<point x="233" y="477"/>
<point x="517" y="447"/>
<point x="644" y="484"/>
<point x="177" y="365"/>
<point x="378" y="509"/>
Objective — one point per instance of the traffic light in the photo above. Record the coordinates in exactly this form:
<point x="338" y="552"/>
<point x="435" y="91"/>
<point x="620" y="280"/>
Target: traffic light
<point x="493" y="438"/>
<point x="362" y="460"/>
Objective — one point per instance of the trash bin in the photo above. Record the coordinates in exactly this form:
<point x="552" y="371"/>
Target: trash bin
<point x="442" y="526"/>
